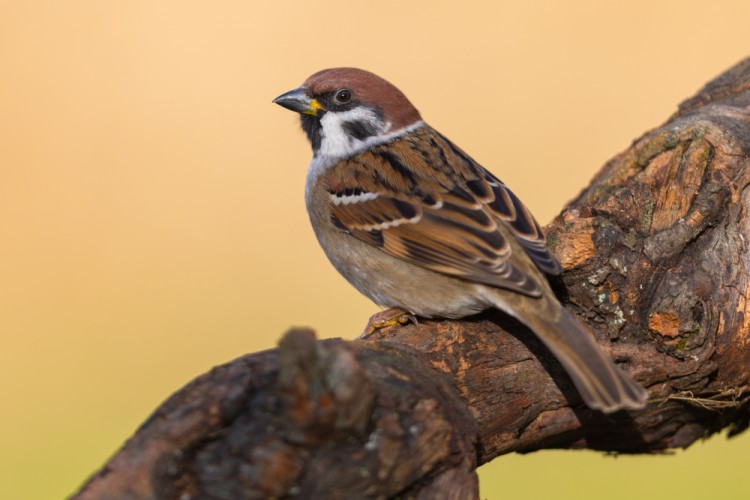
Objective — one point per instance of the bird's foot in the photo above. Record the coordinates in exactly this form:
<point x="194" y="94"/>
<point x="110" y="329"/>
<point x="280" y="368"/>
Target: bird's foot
<point x="390" y="317"/>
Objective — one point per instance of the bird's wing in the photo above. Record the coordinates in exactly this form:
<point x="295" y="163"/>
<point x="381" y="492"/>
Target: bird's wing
<point x="421" y="199"/>
<point x="521" y="223"/>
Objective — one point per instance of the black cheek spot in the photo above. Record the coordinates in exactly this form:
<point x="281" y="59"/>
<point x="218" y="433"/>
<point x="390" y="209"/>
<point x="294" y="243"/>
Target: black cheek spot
<point x="359" y="130"/>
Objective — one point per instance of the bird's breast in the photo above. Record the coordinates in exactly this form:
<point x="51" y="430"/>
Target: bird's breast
<point x="387" y="280"/>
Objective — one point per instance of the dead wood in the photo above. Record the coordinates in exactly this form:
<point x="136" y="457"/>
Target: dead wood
<point x="657" y="264"/>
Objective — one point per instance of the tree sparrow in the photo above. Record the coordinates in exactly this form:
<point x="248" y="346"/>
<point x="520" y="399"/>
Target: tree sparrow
<point x="415" y="224"/>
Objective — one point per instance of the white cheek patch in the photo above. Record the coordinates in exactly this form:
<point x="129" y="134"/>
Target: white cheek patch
<point x="336" y="142"/>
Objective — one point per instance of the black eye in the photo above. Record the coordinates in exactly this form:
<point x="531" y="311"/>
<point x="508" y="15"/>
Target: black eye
<point x="343" y="96"/>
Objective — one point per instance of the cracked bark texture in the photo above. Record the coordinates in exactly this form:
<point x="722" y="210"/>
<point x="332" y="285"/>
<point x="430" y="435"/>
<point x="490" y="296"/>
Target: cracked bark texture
<point x="656" y="264"/>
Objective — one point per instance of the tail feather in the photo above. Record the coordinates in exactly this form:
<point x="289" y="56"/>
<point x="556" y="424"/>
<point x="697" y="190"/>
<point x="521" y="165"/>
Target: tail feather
<point x="602" y="385"/>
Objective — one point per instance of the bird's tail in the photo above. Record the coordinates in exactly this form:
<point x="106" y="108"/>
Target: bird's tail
<point x="602" y="385"/>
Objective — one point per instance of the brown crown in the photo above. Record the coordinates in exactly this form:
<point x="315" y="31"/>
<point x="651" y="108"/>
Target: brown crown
<point x="368" y="88"/>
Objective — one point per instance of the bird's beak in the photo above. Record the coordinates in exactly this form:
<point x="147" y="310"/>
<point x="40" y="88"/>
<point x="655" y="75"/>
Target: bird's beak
<point x="298" y="100"/>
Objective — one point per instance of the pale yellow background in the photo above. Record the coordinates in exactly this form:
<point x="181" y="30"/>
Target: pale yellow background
<point x="152" y="222"/>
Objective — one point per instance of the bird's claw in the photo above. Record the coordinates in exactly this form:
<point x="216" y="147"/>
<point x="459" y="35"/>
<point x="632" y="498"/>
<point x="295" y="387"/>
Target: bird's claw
<point x="390" y="317"/>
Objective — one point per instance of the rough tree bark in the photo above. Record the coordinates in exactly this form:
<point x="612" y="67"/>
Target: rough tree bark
<point x="657" y="264"/>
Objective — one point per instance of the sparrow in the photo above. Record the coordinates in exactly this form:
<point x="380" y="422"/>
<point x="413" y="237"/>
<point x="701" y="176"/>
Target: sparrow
<point x="418" y="226"/>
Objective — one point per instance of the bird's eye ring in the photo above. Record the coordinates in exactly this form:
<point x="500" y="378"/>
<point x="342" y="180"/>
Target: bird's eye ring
<point x="343" y="96"/>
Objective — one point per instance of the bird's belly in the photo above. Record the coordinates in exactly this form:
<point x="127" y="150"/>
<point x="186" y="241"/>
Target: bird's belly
<point x="391" y="282"/>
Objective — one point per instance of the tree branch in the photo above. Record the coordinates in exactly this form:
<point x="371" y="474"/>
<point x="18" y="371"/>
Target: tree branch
<point x="656" y="259"/>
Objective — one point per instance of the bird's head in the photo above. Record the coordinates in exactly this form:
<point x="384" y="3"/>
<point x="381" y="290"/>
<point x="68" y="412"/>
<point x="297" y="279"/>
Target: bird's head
<point x="347" y="110"/>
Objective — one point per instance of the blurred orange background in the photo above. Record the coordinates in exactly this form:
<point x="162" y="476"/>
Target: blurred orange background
<point x="151" y="196"/>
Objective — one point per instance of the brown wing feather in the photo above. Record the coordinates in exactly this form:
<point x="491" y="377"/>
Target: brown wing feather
<point x="511" y="210"/>
<point x="422" y="215"/>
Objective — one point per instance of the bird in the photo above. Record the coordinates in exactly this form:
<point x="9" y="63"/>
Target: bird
<point x="418" y="226"/>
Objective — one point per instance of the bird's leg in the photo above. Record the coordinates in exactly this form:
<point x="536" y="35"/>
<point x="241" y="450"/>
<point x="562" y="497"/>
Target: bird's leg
<point x="390" y="317"/>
